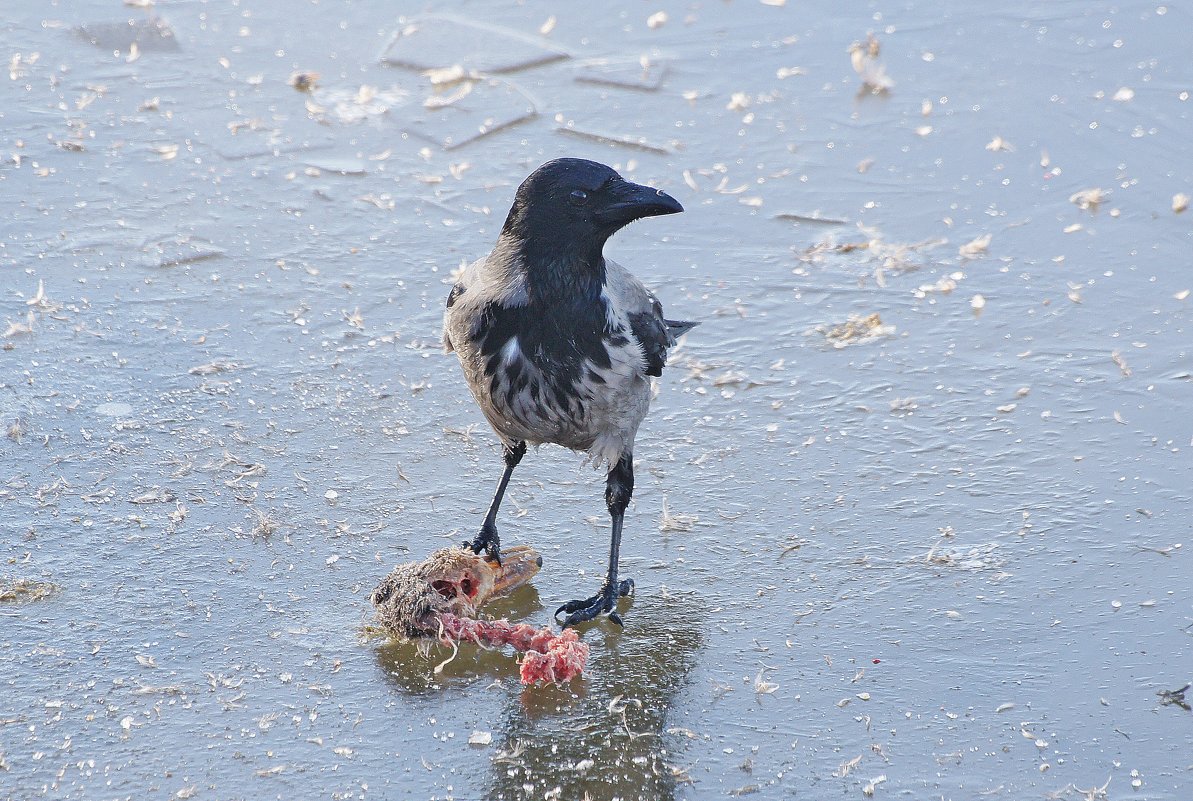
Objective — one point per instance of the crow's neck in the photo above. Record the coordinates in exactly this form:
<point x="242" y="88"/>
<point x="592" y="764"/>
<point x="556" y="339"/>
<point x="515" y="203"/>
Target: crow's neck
<point x="560" y="274"/>
<point x="563" y="282"/>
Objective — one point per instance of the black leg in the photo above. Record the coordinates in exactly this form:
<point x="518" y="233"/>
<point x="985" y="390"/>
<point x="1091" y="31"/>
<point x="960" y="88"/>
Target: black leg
<point x="487" y="540"/>
<point x="619" y="488"/>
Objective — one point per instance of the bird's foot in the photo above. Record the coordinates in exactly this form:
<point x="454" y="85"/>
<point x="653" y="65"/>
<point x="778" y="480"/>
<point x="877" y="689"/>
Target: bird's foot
<point x="604" y="601"/>
<point x="488" y="542"/>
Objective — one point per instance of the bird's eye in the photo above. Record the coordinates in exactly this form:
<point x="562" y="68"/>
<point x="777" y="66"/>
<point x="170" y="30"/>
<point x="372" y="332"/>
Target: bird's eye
<point x="578" y="197"/>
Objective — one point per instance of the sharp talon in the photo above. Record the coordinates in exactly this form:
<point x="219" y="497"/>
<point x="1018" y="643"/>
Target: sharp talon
<point x="604" y="602"/>
<point x="577" y="612"/>
<point x="486" y="542"/>
<point x="569" y="607"/>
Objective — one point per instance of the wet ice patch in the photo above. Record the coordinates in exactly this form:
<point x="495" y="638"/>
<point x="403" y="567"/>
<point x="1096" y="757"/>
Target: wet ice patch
<point x="490" y="106"/>
<point x="437" y="41"/>
<point x="871" y="250"/>
<point x="856" y="330"/>
<point x="152" y="34"/>
<point x="630" y="141"/>
<point x="114" y="409"/>
<point x="348" y="106"/>
<point x="985" y="556"/>
<point x="178" y="250"/>
<point x="643" y="74"/>
<point x="339" y="166"/>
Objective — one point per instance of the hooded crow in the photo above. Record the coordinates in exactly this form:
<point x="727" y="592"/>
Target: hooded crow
<point x="558" y="343"/>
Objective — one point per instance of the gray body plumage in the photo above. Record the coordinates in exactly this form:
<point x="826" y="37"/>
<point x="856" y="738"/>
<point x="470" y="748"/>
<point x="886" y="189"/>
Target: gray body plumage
<point x="596" y="408"/>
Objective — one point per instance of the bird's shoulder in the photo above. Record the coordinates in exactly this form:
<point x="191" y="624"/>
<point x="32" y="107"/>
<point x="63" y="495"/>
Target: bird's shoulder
<point x="643" y="314"/>
<point x="625" y="291"/>
<point x="481" y="286"/>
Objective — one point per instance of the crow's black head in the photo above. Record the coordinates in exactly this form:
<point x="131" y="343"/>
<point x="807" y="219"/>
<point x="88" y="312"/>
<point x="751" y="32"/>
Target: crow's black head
<point x="568" y="208"/>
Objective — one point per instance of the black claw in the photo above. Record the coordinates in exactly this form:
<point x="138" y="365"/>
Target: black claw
<point x="582" y="616"/>
<point x="603" y="602"/>
<point x="487" y="541"/>
<point x="569" y="607"/>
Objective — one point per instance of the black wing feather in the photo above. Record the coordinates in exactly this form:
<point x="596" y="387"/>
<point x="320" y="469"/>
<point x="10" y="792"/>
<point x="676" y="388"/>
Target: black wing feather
<point x="650" y="330"/>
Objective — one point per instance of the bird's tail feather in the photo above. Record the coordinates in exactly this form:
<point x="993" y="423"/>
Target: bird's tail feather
<point x="677" y="328"/>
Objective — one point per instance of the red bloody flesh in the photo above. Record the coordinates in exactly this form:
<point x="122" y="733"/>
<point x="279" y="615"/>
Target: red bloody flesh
<point x="550" y="657"/>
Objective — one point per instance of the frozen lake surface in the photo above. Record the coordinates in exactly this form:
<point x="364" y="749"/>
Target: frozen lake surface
<point x="912" y="512"/>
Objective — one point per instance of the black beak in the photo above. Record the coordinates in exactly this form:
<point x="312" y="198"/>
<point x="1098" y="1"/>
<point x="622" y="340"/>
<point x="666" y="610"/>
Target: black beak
<point x="626" y="202"/>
